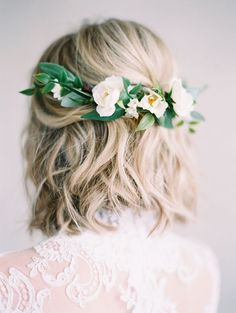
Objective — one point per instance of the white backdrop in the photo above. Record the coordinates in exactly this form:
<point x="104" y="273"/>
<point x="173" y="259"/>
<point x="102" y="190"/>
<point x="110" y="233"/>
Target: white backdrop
<point x="201" y="35"/>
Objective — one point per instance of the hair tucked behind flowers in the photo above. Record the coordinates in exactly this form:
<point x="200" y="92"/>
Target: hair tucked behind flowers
<point x="78" y="166"/>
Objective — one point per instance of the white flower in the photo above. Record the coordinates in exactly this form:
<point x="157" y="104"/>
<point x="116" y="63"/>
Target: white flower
<point x="183" y="100"/>
<point x="154" y="103"/>
<point x="131" y="111"/>
<point x="106" y="94"/>
<point x="57" y="90"/>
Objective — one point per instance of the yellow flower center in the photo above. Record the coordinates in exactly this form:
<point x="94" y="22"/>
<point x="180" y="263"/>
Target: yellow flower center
<point x="152" y="99"/>
<point x="105" y="94"/>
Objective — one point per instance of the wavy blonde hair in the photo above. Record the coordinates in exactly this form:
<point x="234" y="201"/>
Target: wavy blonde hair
<point x="77" y="166"/>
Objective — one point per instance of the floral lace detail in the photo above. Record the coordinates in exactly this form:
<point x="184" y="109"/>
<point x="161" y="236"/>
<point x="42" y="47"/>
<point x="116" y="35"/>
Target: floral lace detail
<point x="18" y="294"/>
<point x="146" y="262"/>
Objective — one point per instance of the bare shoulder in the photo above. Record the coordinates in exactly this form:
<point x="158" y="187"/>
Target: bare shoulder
<point x="196" y="251"/>
<point x="17" y="259"/>
<point x="198" y="273"/>
<point x="200" y="249"/>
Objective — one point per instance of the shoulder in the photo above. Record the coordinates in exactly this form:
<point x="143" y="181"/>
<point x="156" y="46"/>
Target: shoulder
<point x="187" y="266"/>
<point x="48" y="249"/>
<point x="201" y="251"/>
<point x="18" y="259"/>
<point x="195" y="251"/>
<point x="61" y="267"/>
<point x="198" y="270"/>
<point x="17" y="289"/>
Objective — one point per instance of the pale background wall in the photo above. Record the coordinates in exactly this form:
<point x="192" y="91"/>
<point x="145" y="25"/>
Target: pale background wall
<point x="201" y="35"/>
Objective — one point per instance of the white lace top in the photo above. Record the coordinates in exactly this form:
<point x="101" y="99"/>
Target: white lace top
<point x="119" y="272"/>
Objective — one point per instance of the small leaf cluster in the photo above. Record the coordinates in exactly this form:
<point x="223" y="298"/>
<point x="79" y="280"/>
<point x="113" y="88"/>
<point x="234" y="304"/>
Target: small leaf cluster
<point x="72" y="92"/>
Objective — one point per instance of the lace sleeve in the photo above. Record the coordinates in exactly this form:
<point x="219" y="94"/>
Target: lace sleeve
<point x="57" y="276"/>
<point x="119" y="274"/>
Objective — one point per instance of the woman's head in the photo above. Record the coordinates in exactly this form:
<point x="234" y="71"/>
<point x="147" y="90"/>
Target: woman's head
<point x="78" y="166"/>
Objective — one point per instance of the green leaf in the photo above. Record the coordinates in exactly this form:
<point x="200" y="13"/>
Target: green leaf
<point x="168" y="99"/>
<point x="80" y="98"/>
<point x="141" y="110"/>
<point x="42" y="78"/>
<point x="126" y="83"/>
<point x="146" y="121"/>
<point x="166" y="119"/>
<point x="78" y="82"/>
<point x="121" y="104"/>
<point x="64" y="91"/>
<point x="63" y="77"/>
<point x="140" y="95"/>
<point x="83" y="94"/>
<point x="180" y="123"/>
<point x="72" y="100"/>
<point x="194" y="122"/>
<point x="67" y="102"/>
<point x="124" y="96"/>
<point x="194" y="91"/>
<point x="48" y="87"/>
<point x="191" y="130"/>
<point x="28" y="92"/>
<point x="136" y="89"/>
<point x="93" y="115"/>
<point x="55" y="70"/>
<point x="197" y="116"/>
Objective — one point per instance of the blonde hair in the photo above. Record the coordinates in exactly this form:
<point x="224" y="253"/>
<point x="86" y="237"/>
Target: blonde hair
<point x="78" y="166"/>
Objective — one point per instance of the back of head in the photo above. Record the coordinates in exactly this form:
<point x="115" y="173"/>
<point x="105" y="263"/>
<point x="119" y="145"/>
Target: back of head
<point x="78" y="166"/>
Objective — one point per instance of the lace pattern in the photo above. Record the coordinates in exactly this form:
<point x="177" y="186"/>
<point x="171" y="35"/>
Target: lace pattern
<point x="18" y="294"/>
<point x="146" y="262"/>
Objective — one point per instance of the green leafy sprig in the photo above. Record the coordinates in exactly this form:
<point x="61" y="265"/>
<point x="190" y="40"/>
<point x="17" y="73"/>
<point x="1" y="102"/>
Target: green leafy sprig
<point x="74" y="93"/>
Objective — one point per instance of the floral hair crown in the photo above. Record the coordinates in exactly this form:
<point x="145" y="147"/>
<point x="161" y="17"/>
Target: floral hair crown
<point x="116" y="97"/>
